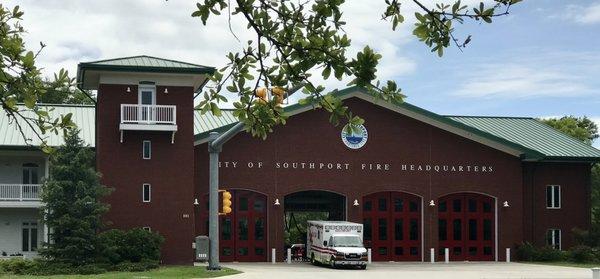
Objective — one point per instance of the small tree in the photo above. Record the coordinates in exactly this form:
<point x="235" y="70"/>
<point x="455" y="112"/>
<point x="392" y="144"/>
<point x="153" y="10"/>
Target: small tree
<point x="73" y="211"/>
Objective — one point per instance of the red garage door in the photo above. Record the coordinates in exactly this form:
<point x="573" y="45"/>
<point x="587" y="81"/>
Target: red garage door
<point x="243" y="232"/>
<point x="466" y="226"/>
<point x="392" y="226"/>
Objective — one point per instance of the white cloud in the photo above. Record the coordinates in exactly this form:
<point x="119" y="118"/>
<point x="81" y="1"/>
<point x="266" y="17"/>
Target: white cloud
<point x="536" y="74"/>
<point x="77" y="31"/>
<point x="580" y="14"/>
<point x="519" y="81"/>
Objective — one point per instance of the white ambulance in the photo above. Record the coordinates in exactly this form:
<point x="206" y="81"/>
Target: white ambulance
<point x="336" y="243"/>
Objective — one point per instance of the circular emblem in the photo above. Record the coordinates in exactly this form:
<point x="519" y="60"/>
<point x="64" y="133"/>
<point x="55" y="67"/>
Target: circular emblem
<point x="355" y="139"/>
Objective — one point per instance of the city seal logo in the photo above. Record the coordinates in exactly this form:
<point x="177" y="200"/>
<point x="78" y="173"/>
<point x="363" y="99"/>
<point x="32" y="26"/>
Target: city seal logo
<point x="355" y="139"/>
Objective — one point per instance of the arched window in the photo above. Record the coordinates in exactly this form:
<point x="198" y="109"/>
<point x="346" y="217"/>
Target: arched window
<point x="30" y="173"/>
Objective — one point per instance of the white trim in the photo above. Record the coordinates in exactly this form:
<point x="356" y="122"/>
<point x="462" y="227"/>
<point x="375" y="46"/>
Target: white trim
<point x="144" y="192"/>
<point x="94" y="78"/>
<point x="413" y="115"/>
<point x="146" y="127"/>
<point x="144" y="149"/>
<point x="553" y="205"/>
<point x="147" y="229"/>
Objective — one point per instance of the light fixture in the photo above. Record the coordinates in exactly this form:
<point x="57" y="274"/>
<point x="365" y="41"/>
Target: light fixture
<point x="505" y="204"/>
<point x="128" y="89"/>
<point x="431" y="203"/>
<point x="166" y="91"/>
<point x="196" y="202"/>
<point x="276" y="202"/>
<point x="355" y="203"/>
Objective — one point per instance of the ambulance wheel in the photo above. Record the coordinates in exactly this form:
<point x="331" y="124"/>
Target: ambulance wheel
<point x="312" y="259"/>
<point x="363" y="267"/>
<point x="332" y="262"/>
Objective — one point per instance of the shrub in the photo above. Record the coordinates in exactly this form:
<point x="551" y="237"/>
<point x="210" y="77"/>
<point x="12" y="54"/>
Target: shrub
<point x="582" y="254"/>
<point x="18" y="265"/>
<point x="133" y="246"/>
<point x="526" y="252"/>
<point x="549" y="254"/>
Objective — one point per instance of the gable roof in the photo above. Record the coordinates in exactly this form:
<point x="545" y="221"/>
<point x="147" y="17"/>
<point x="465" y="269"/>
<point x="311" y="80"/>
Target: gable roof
<point x="526" y="138"/>
<point x="520" y="136"/>
<point x="533" y="134"/>
<point x="147" y="64"/>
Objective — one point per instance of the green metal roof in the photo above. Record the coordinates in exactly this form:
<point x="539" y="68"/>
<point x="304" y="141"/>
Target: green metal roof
<point x="83" y="116"/>
<point x="204" y="123"/>
<point x="531" y="134"/>
<point x="145" y="62"/>
<point x="533" y="139"/>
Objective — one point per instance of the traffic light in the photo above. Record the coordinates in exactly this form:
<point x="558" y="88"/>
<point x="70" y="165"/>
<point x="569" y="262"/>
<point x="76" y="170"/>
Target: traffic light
<point x="226" y="202"/>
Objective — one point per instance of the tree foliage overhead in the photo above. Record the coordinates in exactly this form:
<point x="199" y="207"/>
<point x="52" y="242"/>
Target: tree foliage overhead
<point x="296" y="39"/>
<point x="73" y="210"/>
<point x="581" y="128"/>
<point x="21" y="81"/>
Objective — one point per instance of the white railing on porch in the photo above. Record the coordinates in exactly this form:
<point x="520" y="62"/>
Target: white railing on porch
<point x="20" y="192"/>
<point x="148" y="114"/>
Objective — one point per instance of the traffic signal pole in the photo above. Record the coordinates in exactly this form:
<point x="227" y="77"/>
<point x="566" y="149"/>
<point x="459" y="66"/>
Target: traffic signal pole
<point x="215" y="145"/>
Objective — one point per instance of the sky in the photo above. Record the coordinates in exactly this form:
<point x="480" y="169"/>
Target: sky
<point x="542" y="60"/>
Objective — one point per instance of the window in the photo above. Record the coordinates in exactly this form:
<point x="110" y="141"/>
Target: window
<point x="146" y="149"/>
<point x="29" y="241"/>
<point x="553" y="196"/>
<point x="147" y="229"/>
<point x="146" y="195"/>
<point x="553" y="238"/>
<point x="30" y="173"/>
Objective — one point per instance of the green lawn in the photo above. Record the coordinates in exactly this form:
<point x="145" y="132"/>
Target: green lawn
<point x="163" y="272"/>
<point x="569" y="264"/>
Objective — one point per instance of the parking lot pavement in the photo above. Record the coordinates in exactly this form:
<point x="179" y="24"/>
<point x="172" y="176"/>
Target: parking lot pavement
<point x="463" y="270"/>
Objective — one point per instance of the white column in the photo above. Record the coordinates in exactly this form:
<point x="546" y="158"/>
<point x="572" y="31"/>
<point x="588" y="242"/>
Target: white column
<point x="596" y="273"/>
<point x="508" y="255"/>
<point x="369" y="255"/>
<point x="446" y="255"/>
<point x="273" y="255"/>
<point x="289" y="255"/>
<point x="432" y="255"/>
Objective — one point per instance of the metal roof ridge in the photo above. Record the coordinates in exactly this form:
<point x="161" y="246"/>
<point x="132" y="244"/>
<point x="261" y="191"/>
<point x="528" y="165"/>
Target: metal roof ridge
<point x="490" y="116"/>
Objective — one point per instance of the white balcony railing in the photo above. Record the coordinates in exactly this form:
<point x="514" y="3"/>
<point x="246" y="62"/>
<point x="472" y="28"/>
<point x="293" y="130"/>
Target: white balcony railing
<point x="20" y="192"/>
<point x="148" y="114"/>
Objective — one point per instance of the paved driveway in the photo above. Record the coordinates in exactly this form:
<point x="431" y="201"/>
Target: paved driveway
<point x="409" y="271"/>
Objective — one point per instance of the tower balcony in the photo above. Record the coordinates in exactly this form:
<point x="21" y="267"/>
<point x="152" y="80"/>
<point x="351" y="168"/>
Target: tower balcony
<point x="148" y="117"/>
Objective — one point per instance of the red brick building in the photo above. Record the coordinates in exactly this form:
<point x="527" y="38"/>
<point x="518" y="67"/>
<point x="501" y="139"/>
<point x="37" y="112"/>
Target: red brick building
<point x="415" y="179"/>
